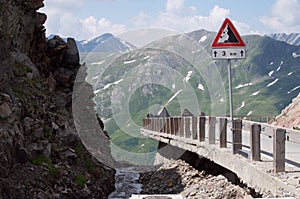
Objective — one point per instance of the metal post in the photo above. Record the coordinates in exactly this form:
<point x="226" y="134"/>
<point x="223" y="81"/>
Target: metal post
<point x="279" y="150"/>
<point x="255" y="142"/>
<point x="230" y="99"/>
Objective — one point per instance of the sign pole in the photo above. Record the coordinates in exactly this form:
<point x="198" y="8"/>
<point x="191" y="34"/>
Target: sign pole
<point x="228" y="45"/>
<point x="230" y="97"/>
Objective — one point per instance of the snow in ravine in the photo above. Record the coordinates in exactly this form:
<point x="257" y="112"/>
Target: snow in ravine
<point x="293" y="89"/>
<point x="97" y="63"/>
<point x="147" y="57"/>
<point x="271" y="73"/>
<point x="295" y="55"/>
<point x="173" y="97"/>
<point x="243" y="85"/>
<point x="242" y="106"/>
<point x="271" y="63"/>
<point x="173" y="86"/>
<point x="108" y="85"/>
<point x="96" y="77"/>
<point x="188" y="76"/>
<point x="99" y="40"/>
<point x="222" y="99"/>
<point x="250" y="112"/>
<point x="272" y="83"/>
<point x="203" y="38"/>
<point x="126" y="44"/>
<point x="255" y="93"/>
<point x="278" y="68"/>
<point x="290" y="73"/>
<point x="200" y="87"/>
<point x="281" y="63"/>
<point x="129" y="62"/>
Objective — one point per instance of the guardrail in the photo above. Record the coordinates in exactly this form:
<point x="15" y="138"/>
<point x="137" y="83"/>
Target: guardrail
<point x="194" y="127"/>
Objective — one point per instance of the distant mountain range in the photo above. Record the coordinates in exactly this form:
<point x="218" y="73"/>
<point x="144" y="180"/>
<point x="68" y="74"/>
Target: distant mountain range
<point x="109" y="43"/>
<point x="104" y="43"/>
<point x="293" y="38"/>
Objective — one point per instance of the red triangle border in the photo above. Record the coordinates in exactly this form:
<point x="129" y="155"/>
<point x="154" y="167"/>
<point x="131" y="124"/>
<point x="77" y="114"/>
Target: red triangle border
<point x="240" y="42"/>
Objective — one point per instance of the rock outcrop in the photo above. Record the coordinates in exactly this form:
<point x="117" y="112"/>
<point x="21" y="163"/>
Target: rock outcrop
<point x="41" y="155"/>
<point x="290" y="116"/>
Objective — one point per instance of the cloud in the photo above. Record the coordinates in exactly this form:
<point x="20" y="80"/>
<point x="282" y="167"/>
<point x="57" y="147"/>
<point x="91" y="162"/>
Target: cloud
<point x="190" y="21"/>
<point x="62" y="20"/>
<point x="175" y="6"/>
<point x="284" y="16"/>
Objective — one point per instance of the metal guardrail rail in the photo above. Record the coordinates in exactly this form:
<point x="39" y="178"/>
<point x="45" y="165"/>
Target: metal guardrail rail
<point x="194" y="128"/>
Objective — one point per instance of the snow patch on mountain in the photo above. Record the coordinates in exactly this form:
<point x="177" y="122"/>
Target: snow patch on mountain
<point x="188" y="76"/>
<point x="97" y="63"/>
<point x="278" y="68"/>
<point x="242" y="106"/>
<point x="200" y="87"/>
<point x="272" y="83"/>
<point x="270" y="73"/>
<point x="243" y="85"/>
<point x="173" y="86"/>
<point x="173" y="97"/>
<point x="289" y="92"/>
<point x="295" y="54"/>
<point x="96" y="77"/>
<point x="108" y="85"/>
<point x="114" y="83"/>
<point x="129" y="61"/>
<point x="255" y="93"/>
<point x="249" y="113"/>
<point x="203" y="38"/>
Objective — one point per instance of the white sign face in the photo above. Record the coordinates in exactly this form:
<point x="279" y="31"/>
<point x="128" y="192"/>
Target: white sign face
<point x="228" y="53"/>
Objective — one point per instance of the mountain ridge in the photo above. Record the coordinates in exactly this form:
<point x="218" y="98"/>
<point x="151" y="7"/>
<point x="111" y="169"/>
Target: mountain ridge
<point x="292" y="38"/>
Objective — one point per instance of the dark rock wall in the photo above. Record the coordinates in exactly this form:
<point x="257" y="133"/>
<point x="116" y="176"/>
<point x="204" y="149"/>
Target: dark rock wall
<point x="40" y="152"/>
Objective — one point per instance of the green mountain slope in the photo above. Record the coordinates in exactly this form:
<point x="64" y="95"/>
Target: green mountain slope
<point x="177" y="73"/>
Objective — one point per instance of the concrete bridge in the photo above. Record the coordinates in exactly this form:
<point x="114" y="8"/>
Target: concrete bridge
<point x="264" y="157"/>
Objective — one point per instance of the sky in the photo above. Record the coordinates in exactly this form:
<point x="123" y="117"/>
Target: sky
<point x="87" y="19"/>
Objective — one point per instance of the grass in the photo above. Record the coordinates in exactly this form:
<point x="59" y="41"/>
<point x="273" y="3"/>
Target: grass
<point x="80" y="180"/>
<point x="42" y="160"/>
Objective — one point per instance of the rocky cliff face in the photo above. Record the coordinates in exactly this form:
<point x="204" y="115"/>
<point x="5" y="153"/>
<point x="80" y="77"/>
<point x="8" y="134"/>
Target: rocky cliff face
<point x="290" y="116"/>
<point x="41" y="155"/>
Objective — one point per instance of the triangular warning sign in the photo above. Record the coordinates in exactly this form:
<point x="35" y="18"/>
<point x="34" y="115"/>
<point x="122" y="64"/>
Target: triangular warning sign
<point x="228" y="36"/>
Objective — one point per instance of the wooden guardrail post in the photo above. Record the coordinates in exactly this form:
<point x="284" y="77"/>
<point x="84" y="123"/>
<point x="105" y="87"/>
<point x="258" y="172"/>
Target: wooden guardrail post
<point x="177" y="122"/>
<point x="255" y="142"/>
<point x="187" y="127"/>
<point x="167" y="125"/>
<point x="194" y="128"/>
<point x="201" y="129"/>
<point x="146" y="123"/>
<point x="181" y="127"/>
<point x="279" y="150"/>
<point x="237" y="136"/>
<point x="157" y="126"/>
<point x="152" y="126"/>
<point x="172" y="126"/>
<point x="223" y="132"/>
<point x="161" y="126"/>
<point x="212" y="130"/>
